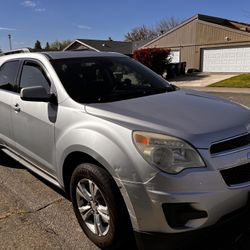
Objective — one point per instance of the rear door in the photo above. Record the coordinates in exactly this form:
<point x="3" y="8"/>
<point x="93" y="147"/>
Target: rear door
<point x="8" y="88"/>
<point x="33" y="122"/>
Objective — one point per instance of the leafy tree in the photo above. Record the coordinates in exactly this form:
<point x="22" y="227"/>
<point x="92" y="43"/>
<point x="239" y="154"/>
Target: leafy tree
<point x="154" y="58"/>
<point x="37" y="45"/>
<point x="47" y="46"/>
<point x="145" y="33"/>
<point x="56" y="45"/>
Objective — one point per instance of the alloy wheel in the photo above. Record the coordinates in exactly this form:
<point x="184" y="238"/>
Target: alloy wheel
<point x="93" y="207"/>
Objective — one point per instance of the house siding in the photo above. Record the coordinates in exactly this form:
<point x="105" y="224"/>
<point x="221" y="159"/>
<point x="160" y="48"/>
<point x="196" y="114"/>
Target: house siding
<point x="176" y="38"/>
<point x="214" y="34"/>
<point x="189" y="55"/>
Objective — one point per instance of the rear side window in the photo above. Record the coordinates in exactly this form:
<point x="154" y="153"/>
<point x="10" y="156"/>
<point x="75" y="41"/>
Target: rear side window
<point x="8" y="73"/>
<point x="34" y="75"/>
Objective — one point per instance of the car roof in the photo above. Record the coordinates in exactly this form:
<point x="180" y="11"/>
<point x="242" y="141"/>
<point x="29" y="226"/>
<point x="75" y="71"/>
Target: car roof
<point x="54" y="55"/>
<point x="77" y="54"/>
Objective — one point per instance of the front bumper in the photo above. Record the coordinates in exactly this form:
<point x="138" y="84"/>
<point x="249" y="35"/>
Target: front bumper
<point x="202" y="190"/>
<point x="223" y="235"/>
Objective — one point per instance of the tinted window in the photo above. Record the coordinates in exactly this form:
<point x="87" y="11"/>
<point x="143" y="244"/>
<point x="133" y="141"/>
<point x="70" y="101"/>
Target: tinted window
<point x="34" y="75"/>
<point x="90" y="80"/>
<point x="8" y="73"/>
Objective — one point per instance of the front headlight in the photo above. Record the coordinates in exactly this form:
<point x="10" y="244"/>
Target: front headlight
<point x="168" y="153"/>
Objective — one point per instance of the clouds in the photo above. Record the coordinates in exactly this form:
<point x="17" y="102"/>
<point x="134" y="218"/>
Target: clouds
<point x="39" y="9"/>
<point x="81" y="26"/>
<point x="7" y="29"/>
<point x="29" y="4"/>
<point x="33" y="6"/>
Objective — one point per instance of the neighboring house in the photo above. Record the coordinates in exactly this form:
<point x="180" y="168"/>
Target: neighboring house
<point x="125" y="48"/>
<point x="138" y="44"/>
<point x="210" y="44"/>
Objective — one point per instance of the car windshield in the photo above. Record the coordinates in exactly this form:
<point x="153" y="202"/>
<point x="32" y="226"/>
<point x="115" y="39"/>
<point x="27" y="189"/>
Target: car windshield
<point x="106" y="79"/>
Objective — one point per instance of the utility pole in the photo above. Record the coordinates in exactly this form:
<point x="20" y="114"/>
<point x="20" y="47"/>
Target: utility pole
<point x="9" y="36"/>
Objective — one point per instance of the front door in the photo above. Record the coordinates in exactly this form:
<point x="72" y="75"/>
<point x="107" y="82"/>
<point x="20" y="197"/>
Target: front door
<point x="33" y="122"/>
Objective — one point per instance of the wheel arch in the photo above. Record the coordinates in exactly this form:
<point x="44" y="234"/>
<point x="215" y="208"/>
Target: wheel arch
<point x="73" y="159"/>
<point x="70" y="163"/>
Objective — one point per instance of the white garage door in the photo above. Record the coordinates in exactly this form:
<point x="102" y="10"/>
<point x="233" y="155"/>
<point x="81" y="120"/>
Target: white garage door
<point x="175" y="56"/>
<point x="226" y="60"/>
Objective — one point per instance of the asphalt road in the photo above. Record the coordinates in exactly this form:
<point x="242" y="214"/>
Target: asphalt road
<point x="36" y="215"/>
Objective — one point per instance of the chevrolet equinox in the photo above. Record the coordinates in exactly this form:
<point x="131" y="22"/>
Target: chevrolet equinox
<point x="136" y="155"/>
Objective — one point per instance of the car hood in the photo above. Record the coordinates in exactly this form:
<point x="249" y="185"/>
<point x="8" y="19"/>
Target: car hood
<point x="196" y="117"/>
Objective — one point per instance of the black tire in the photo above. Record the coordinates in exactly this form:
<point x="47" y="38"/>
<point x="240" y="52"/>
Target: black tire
<point x="108" y="228"/>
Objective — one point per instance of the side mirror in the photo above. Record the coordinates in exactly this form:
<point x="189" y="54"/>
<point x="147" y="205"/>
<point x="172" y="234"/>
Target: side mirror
<point x="35" y="94"/>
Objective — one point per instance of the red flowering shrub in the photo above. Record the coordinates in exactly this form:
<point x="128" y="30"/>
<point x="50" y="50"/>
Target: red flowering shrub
<point x="154" y="58"/>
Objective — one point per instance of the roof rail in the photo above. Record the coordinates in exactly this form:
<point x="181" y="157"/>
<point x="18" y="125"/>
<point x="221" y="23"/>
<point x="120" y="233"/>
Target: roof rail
<point x="16" y="51"/>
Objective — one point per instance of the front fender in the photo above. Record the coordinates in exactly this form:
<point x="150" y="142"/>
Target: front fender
<point x="114" y="149"/>
<point x="97" y="145"/>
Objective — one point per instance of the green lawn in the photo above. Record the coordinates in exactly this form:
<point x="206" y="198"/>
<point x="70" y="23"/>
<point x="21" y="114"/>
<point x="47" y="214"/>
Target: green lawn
<point x="240" y="81"/>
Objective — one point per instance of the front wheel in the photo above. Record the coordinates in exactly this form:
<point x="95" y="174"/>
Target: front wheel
<point x="99" y="208"/>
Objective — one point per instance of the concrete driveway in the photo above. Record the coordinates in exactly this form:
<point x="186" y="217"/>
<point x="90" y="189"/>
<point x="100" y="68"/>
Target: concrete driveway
<point x="199" y="79"/>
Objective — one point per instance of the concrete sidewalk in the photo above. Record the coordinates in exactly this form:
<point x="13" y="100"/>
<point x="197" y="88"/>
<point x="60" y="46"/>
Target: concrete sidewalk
<point x="200" y="81"/>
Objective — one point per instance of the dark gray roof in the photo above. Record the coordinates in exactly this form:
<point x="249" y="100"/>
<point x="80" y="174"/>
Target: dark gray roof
<point x="109" y="45"/>
<point x="77" y="54"/>
<point x="225" y="22"/>
<point x="139" y="44"/>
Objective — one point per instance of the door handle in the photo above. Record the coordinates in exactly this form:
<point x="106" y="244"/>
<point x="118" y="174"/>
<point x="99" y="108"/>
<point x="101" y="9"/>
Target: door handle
<point x="17" y="108"/>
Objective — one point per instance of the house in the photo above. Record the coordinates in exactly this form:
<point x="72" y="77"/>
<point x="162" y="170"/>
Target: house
<point x="125" y="48"/>
<point x="209" y="44"/>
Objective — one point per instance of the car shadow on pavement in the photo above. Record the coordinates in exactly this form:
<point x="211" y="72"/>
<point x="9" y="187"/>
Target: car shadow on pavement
<point x="8" y="162"/>
<point x="189" y="77"/>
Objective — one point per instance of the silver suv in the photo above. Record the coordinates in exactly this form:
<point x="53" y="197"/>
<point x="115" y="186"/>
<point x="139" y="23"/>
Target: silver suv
<point x="137" y="156"/>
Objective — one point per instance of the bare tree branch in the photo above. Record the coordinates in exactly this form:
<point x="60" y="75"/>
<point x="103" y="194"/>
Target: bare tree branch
<point x="167" y="24"/>
<point x="145" y="33"/>
<point x="140" y="33"/>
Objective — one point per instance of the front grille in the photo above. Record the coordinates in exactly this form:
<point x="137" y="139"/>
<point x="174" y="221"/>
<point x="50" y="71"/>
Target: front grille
<point x="236" y="175"/>
<point x="230" y="144"/>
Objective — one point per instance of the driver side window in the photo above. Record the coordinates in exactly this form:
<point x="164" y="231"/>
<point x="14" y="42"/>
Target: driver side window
<point x="34" y="75"/>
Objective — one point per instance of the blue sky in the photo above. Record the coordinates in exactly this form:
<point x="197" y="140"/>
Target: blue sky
<point x="49" y="20"/>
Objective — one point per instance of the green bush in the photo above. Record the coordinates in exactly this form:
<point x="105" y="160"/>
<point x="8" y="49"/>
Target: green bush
<point x="154" y="58"/>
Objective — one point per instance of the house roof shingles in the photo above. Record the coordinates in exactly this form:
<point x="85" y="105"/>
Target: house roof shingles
<point x="224" y="22"/>
<point x="122" y="47"/>
<point x="109" y="45"/>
